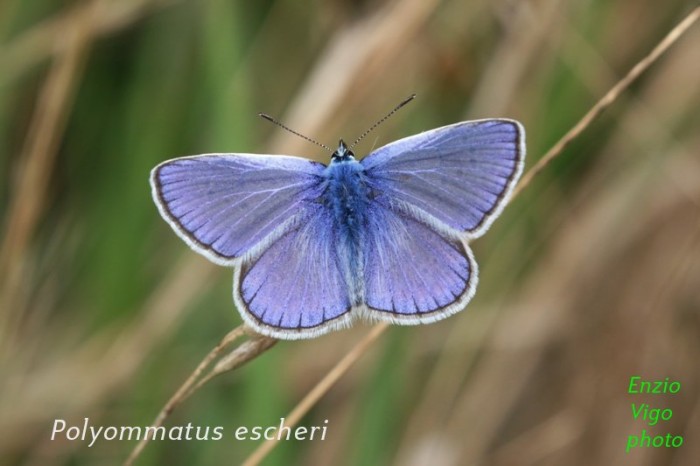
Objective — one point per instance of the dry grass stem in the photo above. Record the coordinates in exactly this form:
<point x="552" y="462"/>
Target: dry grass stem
<point x="248" y="350"/>
<point x="319" y="390"/>
<point x="37" y="161"/>
<point x="609" y="98"/>
<point x="49" y="37"/>
<point x="499" y="82"/>
<point x="186" y="389"/>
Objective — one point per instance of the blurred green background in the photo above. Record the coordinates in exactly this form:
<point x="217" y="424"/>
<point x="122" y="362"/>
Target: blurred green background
<point x="589" y="277"/>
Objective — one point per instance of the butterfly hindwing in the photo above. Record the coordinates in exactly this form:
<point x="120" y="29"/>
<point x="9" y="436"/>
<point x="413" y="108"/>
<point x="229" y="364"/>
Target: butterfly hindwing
<point x="228" y="205"/>
<point x="457" y="177"/>
<point x="295" y="288"/>
<point x="412" y="273"/>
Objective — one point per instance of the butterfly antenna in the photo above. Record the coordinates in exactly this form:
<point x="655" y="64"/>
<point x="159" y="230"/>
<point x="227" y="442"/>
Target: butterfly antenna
<point x="362" y="136"/>
<point x="272" y="120"/>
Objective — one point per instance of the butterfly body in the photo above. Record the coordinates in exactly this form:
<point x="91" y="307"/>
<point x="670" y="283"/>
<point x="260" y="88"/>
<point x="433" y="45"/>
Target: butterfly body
<point x="348" y="196"/>
<point x="314" y="247"/>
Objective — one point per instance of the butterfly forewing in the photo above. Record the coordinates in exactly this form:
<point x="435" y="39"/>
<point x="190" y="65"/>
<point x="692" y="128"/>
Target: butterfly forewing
<point x="457" y="177"/>
<point x="228" y="205"/>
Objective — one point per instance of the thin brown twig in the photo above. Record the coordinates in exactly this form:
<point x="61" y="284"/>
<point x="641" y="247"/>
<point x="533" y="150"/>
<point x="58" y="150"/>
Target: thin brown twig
<point x="185" y="391"/>
<point x="608" y="98"/>
<point x="248" y="350"/>
<point x="344" y="364"/>
<point x="319" y="390"/>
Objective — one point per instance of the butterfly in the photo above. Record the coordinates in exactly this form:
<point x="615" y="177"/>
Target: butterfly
<point x="315" y="247"/>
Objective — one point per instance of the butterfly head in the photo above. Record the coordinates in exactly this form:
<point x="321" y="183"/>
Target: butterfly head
<point x="342" y="153"/>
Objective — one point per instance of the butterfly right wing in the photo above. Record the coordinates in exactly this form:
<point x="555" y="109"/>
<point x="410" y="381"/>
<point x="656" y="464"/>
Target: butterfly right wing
<point x="226" y="206"/>
<point x="433" y="192"/>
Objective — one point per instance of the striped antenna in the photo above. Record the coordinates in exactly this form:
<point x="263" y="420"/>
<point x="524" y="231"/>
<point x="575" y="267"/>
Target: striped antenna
<point x="272" y="120"/>
<point x="362" y="136"/>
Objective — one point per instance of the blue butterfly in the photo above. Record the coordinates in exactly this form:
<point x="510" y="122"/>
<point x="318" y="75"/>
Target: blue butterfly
<point x="315" y="247"/>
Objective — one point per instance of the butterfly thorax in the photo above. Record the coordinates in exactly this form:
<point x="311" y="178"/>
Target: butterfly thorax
<point x="347" y="196"/>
